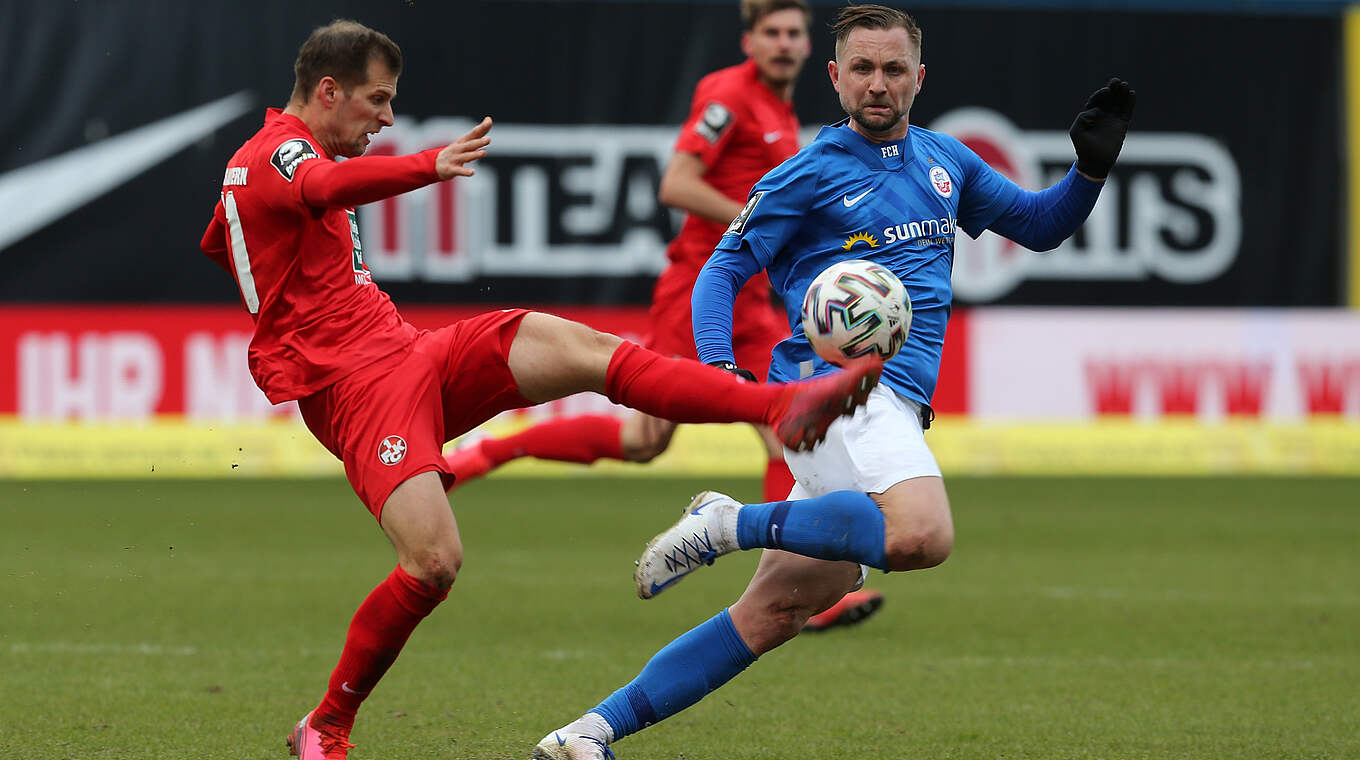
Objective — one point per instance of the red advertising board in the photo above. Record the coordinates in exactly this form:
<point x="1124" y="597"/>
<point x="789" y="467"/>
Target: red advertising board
<point x="121" y="362"/>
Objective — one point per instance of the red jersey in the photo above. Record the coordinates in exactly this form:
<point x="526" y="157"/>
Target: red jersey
<point x="299" y="264"/>
<point x="741" y="130"/>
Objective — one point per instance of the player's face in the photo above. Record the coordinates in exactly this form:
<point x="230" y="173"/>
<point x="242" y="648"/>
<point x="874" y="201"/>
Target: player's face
<point x="364" y="110"/>
<point x="878" y="74"/>
<point x="779" y="45"/>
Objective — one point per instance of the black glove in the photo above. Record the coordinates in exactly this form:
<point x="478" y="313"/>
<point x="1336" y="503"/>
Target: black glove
<point x="744" y="374"/>
<point x="1098" y="133"/>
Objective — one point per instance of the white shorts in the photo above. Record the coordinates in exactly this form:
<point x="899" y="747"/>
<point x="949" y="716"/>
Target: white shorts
<point x="880" y="446"/>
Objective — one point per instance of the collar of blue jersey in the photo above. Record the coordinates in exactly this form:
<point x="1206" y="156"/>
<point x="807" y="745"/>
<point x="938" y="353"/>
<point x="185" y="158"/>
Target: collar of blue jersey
<point x="868" y="151"/>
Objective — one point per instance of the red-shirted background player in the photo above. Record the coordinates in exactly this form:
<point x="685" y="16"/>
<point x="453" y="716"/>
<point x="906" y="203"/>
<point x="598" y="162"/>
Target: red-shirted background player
<point x="383" y="396"/>
<point x="741" y="125"/>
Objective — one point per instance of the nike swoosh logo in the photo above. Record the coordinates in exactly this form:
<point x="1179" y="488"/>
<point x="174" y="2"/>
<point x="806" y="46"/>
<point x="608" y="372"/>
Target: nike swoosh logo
<point x="345" y="688"/>
<point x="560" y="741"/>
<point x="772" y="136"/>
<point x="656" y="587"/>
<point x="848" y="201"/>
<point x="42" y="192"/>
<point x="705" y="504"/>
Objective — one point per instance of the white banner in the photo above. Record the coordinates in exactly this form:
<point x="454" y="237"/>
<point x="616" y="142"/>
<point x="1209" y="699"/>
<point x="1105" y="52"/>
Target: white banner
<point x="1066" y="364"/>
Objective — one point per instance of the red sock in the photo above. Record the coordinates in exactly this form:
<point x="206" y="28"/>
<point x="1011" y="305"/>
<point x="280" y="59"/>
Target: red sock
<point x="376" y="635"/>
<point x="778" y="480"/>
<point x="570" y="439"/>
<point x="681" y="390"/>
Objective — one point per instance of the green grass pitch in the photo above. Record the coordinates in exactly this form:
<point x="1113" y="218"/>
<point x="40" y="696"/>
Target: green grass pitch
<point x="1078" y="618"/>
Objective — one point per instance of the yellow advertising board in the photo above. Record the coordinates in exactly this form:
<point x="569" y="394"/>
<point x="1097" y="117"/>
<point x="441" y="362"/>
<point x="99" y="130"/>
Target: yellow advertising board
<point x="1117" y="446"/>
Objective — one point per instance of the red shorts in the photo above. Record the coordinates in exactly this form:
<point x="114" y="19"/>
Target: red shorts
<point x="757" y="325"/>
<point x="388" y="422"/>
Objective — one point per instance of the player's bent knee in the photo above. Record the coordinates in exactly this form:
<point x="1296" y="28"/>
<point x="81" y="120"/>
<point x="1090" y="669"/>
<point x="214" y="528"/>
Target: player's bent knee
<point x="644" y="438"/>
<point x="435" y="567"/>
<point x="646" y="447"/>
<point x="918" y="550"/>
<point x="642" y="453"/>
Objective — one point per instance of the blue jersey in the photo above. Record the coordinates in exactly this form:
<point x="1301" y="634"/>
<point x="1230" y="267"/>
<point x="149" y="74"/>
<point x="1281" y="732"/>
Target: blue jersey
<point x="896" y="203"/>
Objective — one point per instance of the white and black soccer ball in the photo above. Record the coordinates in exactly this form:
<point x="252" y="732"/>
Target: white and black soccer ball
<point x="855" y="308"/>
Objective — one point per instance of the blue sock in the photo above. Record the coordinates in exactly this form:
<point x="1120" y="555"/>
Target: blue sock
<point x="842" y="525"/>
<point x="680" y="674"/>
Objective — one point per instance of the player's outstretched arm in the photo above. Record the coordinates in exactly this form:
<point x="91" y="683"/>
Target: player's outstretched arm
<point x="1098" y="131"/>
<point x="453" y="159"/>
<point x="366" y="179"/>
<point x="1042" y="221"/>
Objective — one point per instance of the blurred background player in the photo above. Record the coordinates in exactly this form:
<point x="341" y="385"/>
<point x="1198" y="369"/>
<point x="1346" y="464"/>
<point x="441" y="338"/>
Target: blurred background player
<point x="741" y="125"/>
<point x="381" y="395"/>
<point x="873" y="495"/>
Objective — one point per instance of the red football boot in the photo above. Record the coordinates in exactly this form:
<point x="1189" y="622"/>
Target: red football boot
<point x="307" y="743"/>
<point x="467" y="463"/>
<point x="854" y="607"/>
<point x="811" y="406"/>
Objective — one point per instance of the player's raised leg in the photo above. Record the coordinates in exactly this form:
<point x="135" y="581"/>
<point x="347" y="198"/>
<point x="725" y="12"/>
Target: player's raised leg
<point x="552" y="357"/>
<point x="417" y="519"/>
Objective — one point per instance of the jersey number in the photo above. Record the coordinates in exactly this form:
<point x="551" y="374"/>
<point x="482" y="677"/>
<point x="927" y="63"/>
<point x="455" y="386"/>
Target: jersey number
<point x="239" y="257"/>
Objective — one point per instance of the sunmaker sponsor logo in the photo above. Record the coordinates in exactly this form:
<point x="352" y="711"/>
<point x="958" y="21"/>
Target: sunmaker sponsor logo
<point x="860" y="237"/>
<point x="922" y="232"/>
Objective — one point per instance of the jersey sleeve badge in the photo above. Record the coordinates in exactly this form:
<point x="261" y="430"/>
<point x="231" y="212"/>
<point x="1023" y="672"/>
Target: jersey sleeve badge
<point x="738" y="225"/>
<point x="716" y="119"/>
<point x="288" y="156"/>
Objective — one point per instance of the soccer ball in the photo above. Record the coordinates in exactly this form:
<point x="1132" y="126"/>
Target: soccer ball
<point x="854" y="308"/>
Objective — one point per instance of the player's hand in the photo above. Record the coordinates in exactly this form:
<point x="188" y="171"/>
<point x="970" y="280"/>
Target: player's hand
<point x="744" y="374"/>
<point x="1098" y="132"/>
<point x="453" y="160"/>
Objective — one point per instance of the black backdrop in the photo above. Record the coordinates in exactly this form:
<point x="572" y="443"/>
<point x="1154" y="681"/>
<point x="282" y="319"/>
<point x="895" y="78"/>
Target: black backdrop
<point x="1267" y="88"/>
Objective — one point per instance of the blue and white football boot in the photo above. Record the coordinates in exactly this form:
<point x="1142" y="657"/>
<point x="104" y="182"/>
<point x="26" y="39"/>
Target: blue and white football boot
<point x="560" y="745"/>
<point x="707" y="530"/>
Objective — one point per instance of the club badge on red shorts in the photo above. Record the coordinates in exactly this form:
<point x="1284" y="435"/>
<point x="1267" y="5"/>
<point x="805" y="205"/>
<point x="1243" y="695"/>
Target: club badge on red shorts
<point x="392" y="450"/>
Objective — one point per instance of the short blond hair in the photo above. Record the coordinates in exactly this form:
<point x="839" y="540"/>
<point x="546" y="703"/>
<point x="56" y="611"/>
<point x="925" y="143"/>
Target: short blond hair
<point x="873" y="17"/>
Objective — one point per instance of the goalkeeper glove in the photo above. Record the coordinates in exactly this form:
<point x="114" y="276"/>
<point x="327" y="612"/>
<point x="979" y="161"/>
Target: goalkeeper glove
<point x="1098" y="132"/>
